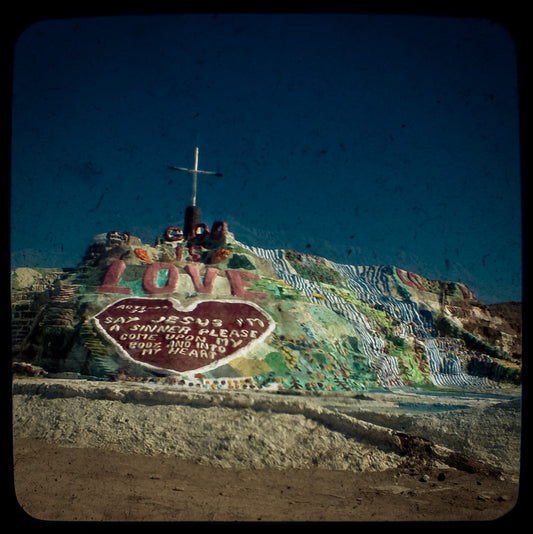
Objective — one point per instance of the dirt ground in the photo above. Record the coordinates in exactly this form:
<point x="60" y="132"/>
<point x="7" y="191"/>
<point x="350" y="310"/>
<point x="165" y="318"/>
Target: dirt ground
<point x="87" y="451"/>
<point x="87" y="484"/>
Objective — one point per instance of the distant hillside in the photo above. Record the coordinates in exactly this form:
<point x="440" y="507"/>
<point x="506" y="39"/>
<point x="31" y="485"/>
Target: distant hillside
<point x="282" y="320"/>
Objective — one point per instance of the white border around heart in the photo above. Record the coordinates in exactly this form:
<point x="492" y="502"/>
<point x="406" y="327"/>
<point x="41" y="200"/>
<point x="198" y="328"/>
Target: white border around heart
<point x="178" y="306"/>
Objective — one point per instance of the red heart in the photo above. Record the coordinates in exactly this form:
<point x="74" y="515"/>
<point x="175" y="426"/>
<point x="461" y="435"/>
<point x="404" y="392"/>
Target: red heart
<point x="161" y="334"/>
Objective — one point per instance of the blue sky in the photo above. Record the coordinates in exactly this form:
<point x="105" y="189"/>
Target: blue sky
<point x="367" y="139"/>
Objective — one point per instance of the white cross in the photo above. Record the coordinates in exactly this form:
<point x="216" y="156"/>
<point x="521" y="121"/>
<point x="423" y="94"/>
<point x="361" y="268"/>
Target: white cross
<point x="195" y="173"/>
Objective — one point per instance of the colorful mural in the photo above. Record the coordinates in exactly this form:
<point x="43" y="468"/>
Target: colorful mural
<point x="235" y="316"/>
<point x="398" y="342"/>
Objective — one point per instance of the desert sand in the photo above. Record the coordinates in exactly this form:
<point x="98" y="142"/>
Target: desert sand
<point x="99" y="451"/>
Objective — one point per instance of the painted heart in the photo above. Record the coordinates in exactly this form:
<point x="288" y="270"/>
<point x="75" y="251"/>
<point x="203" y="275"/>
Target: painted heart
<point x="161" y="334"/>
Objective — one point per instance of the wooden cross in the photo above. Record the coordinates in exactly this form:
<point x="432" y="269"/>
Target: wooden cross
<point x="195" y="173"/>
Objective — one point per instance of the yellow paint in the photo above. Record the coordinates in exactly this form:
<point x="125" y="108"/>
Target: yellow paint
<point x="249" y="367"/>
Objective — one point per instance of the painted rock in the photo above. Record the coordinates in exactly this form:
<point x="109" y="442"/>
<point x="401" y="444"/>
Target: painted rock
<point x="142" y="254"/>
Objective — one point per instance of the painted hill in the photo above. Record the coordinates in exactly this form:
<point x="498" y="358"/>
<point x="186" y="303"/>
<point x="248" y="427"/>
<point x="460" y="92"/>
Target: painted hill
<point x="215" y="313"/>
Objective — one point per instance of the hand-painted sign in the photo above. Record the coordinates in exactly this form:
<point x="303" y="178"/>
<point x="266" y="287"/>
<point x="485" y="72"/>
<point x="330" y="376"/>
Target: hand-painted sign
<point x="238" y="280"/>
<point x="159" y="333"/>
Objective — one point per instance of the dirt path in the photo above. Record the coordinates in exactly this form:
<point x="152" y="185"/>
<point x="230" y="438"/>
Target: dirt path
<point x="89" y="484"/>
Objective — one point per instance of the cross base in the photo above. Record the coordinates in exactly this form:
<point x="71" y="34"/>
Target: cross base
<point x="193" y="216"/>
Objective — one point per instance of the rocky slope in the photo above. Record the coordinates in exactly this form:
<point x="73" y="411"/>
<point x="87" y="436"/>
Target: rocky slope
<point x="284" y="320"/>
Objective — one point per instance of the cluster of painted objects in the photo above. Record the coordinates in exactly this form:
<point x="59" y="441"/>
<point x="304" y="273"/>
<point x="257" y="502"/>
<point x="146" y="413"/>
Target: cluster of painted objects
<point x="338" y="327"/>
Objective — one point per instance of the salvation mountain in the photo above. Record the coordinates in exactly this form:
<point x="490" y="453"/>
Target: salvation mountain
<point x="212" y="312"/>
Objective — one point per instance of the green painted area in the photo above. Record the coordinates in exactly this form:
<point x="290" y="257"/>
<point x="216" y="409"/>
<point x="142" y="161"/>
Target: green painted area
<point x="101" y="361"/>
<point x="413" y="367"/>
<point x="317" y="365"/>
<point x="276" y="362"/>
<point x="136" y="287"/>
<point x="314" y="268"/>
<point x="275" y="289"/>
<point x="381" y="318"/>
<point x="240" y="261"/>
<point x="313" y="348"/>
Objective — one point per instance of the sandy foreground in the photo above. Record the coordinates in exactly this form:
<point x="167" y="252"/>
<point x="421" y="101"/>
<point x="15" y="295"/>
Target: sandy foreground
<point x="98" y="451"/>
